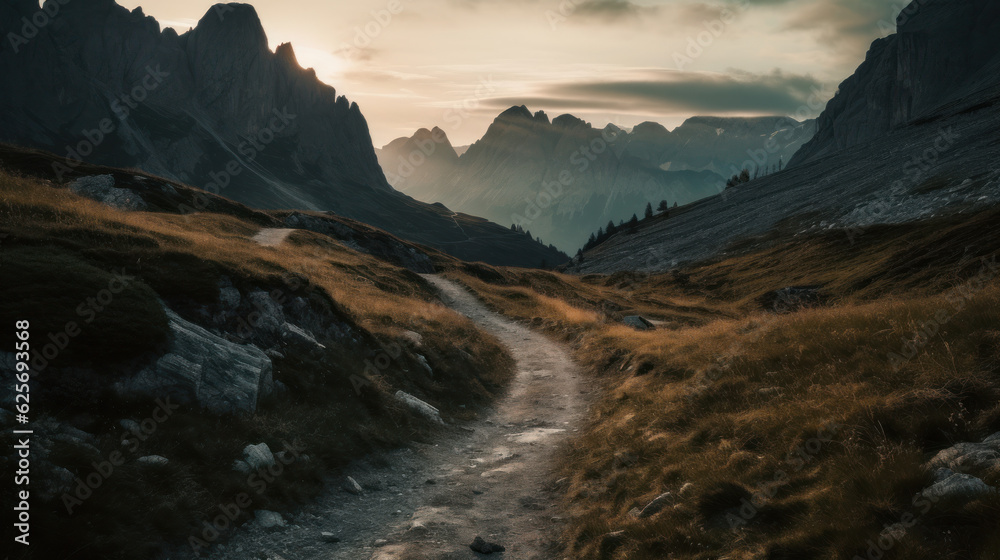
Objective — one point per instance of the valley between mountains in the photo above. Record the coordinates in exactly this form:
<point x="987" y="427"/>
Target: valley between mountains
<point x="316" y="349"/>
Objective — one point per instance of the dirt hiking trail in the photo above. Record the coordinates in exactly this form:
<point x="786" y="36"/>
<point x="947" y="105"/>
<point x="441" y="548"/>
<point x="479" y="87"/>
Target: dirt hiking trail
<point x="490" y="478"/>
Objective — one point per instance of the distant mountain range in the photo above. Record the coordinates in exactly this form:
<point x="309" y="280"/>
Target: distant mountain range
<point x="563" y="178"/>
<point x="217" y="109"/>
<point x="911" y="136"/>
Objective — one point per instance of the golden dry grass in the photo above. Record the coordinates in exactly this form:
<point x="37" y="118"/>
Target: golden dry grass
<point x="812" y="411"/>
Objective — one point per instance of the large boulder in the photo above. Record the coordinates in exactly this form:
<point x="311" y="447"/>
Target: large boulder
<point x="200" y="367"/>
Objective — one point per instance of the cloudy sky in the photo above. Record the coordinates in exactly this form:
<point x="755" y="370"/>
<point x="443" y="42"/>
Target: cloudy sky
<point x="458" y="63"/>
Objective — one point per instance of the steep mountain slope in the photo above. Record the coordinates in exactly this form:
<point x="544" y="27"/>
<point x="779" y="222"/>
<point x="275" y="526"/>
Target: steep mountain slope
<point x="214" y="108"/>
<point x="556" y="178"/>
<point x="612" y="173"/>
<point x="891" y="148"/>
<point x="944" y="57"/>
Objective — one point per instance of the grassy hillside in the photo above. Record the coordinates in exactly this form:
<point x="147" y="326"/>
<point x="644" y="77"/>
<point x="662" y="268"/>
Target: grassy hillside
<point x="781" y="435"/>
<point x="59" y="250"/>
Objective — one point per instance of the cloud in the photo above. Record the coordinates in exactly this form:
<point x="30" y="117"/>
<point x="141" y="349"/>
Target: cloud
<point x="612" y="9"/>
<point x="664" y="92"/>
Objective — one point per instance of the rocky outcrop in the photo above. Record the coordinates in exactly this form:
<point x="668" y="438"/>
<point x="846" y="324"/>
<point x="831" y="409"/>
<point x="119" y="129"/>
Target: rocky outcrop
<point x="214" y="108"/>
<point x="204" y="369"/>
<point x="942" y="58"/>
<point x="102" y="189"/>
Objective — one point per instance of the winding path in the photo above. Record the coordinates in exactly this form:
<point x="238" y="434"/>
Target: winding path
<point x="489" y="478"/>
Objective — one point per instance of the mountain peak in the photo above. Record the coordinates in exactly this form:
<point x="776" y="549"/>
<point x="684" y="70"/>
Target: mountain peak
<point x="568" y="121"/>
<point x="234" y="24"/>
<point x="517" y="111"/>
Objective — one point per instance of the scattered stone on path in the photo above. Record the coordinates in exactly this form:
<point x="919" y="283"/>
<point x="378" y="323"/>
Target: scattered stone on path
<point x="328" y="537"/>
<point x="267" y="519"/>
<point x="352" y="486"/>
<point x="483" y="547"/>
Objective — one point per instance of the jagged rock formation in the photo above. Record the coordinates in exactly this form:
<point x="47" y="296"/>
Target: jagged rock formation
<point x="204" y="369"/>
<point x="943" y="59"/>
<point x="512" y="175"/>
<point x="214" y="108"/>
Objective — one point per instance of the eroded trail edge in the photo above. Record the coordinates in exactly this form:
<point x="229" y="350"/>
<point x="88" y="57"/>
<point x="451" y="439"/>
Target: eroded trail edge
<point x="490" y="478"/>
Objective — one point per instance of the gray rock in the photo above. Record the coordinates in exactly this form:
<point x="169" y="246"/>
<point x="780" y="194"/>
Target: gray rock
<point x="657" y="505"/>
<point x="969" y="458"/>
<point x="258" y="456"/>
<point x="299" y="337"/>
<point x="638" y="323"/>
<point x="423" y="363"/>
<point x="328" y="537"/>
<point x="241" y="466"/>
<point x="102" y="189"/>
<point x="419" y="406"/>
<point x="269" y="316"/>
<point x="230" y="297"/>
<point x="200" y="367"/>
<point x="153" y="460"/>
<point x="481" y="546"/>
<point x="266" y="519"/>
<point x="352" y="486"/>
<point x="957" y="489"/>
<point x="687" y="490"/>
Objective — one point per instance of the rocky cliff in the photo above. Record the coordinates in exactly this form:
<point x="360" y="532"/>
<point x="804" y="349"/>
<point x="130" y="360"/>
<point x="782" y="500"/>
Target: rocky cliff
<point x="943" y="59"/>
<point x="215" y="108"/>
